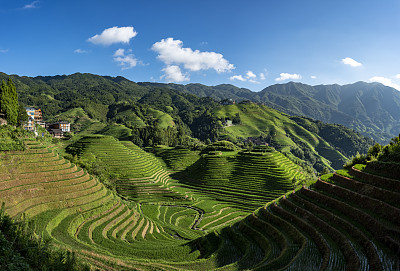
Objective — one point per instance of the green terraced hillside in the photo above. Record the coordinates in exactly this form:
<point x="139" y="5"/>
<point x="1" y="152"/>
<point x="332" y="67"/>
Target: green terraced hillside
<point x="139" y="176"/>
<point x="177" y="158"/>
<point x="278" y="130"/>
<point x="77" y="212"/>
<point x="347" y="222"/>
<point x="245" y="180"/>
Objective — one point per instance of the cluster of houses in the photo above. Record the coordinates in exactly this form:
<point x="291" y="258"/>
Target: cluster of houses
<point x="56" y="129"/>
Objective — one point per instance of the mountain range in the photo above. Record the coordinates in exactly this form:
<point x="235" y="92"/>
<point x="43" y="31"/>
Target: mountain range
<point x="369" y="108"/>
<point x="172" y="114"/>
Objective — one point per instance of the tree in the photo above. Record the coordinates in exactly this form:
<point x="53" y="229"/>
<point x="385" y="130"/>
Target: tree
<point x="22" y="115"/>
<point x="9" y="102"/>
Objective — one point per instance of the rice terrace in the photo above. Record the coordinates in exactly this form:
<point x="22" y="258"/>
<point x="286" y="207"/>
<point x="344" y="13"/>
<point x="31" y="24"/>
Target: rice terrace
<point x="200" y="135"/>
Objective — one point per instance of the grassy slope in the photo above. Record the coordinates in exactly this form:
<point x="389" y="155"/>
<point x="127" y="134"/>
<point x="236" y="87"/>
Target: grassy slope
<point x="257" y="120"/>
<point x="118" y="131"/>
<point x="163" y="119"/>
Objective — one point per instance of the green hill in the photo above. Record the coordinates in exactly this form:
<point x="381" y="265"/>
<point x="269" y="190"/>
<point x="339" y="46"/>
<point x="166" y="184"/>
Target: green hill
<point x="369" y="108"/>
<point x="154" y="114"/>
<point x="346" y="221"/>
<point x="245" y="180"/>
<point x="297" y="136"/>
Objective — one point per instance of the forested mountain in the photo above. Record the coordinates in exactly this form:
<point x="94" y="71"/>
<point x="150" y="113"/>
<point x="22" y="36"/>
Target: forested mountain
<point x="219" y="92"/>
<point x="369" y="108"/>
<point x="157" y="114"/>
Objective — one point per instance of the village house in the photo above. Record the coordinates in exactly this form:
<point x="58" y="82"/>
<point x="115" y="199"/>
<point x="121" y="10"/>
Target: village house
<point x="57" y="133"/>
<point x="64" y="126"/>
<point x="227" y="102"/>
<point x="57" y="129"/>
<point x="30" y="125"/>
<point x="35" y="116"/>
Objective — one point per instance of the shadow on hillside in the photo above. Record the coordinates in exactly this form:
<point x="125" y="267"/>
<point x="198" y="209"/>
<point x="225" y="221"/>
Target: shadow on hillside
<point x="192" y="175"/>
<point x="223" y="246"/>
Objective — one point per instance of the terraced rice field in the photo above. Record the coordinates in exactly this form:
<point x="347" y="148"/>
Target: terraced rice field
<point x="246" y="181"/>
<point x="342" y="223"/>
<point x="140" y="176"/>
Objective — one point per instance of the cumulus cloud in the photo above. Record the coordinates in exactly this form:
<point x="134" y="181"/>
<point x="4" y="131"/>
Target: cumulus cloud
<point x="171" y="52"/>
<point x="32" y="5"/>
<point x="80" y="51"/>
<point x="114" y="35"/>
<point x="385" y="81"/>
<point x="173" y="73"/>
<point x="398" y="76"/>
<point x="351" y="62"/>
<point x="237" y="77"/>
<point x="286" y="76"/>
<point x="250" y="74"/>
<point x="313" y="77"/>
<point x="125" y="59"/>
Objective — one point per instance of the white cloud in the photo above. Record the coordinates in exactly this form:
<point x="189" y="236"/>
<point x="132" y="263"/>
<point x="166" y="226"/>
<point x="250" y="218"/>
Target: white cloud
<point x="313" y="77"/>
<point x="263" y="75"/>
<point x="385" y="81"/>
<point x="3" y="50"/>
<point x="285" y="76"/>
<point x="250" y="74"/>
<point x="237" y="77"/>
<point x="119" y="52"/>
<point x="398" y="76"/>
<point x="80" y="51"/>
<point x="32" y="5"/>
<point x="351" y="62"/>
<point x="170" y="52"/>
<point x="126" y="61"/>
<point x="114" y="35"/>
<point x="249" y="77"/>
<point x="173" y="73"/>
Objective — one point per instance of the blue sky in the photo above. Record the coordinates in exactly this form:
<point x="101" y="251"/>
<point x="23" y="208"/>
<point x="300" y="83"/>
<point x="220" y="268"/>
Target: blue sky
<point x="250" y="44"/>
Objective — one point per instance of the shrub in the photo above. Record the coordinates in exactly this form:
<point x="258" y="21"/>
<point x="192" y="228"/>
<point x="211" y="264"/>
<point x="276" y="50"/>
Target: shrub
<point x="21" y="249"/>
<point x="222" y="146"/>
<point x="358" y="159"/>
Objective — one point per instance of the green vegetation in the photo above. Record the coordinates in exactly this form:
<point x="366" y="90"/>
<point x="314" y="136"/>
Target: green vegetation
<point x="21" y="249"/>
<point x="369" y="108"/>
<point x="221" y="208"/>
<point x="11" y="138"/>
<point x="10" y="109"/>
<point x="308" y="140"/>
<point x="157" y="114"/>
<point x="220" y="187"/>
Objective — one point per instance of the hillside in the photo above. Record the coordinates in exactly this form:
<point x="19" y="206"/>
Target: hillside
<point x="154" y="114"/>
<point x="150" y="216"/>
<point x="225" y="217"/>
<point x="306" y="139"/>
<point x="369" y="108"/>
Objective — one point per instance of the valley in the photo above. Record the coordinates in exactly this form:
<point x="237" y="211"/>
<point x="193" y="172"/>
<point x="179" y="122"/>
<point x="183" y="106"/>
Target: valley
<point x="171" y="181"/>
